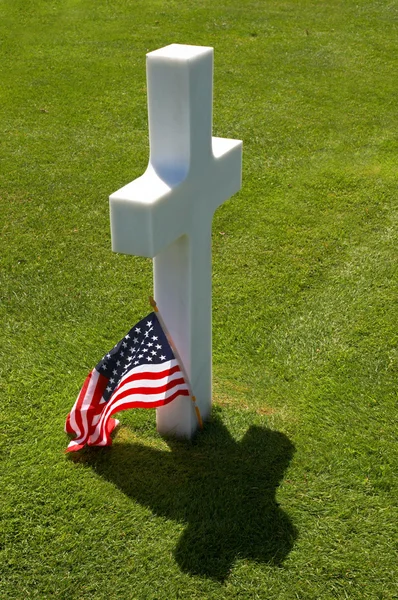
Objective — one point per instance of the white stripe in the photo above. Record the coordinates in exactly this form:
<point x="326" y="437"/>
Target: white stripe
<point x="86" y="404"/>
<point x="71" y="416"/>
<point x="95" y="419"/>
<point x="169" y="364"/>
<point x="148" y="383"/>
<point x="144" y="398"/>
<point x="148" y="399"/>
<point x="72" y="413"/>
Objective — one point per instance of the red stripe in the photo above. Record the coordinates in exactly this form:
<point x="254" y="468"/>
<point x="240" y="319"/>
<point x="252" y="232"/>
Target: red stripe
<point x="142" y="404"/>
<point x="110" y="425"/>
<point x="96" y="395"/>
<point x="148" y="375"/>
<point x="102" y="382"/>
<point x="75" y="448"/>
<point x="147" y="391"/>
<point x="94" y="407"/>
<point x="90" y="409"/>
<point x="78" y="404"/>
<point x="68" y="426"/>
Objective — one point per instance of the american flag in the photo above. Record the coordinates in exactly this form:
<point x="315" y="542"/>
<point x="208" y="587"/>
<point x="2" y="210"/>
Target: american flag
<point x="141" y="371"/>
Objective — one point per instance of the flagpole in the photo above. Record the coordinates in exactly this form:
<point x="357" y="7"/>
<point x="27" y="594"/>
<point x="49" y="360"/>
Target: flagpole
<point x="178" y="357"/>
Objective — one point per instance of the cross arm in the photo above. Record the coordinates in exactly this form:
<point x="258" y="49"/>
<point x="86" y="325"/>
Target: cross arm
<point x="147" y="214"/>
<point x="150" y="213"/>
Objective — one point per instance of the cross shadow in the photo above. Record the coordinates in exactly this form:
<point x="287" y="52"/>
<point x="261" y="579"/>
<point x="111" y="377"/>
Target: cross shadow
<point x="222" y="489"/>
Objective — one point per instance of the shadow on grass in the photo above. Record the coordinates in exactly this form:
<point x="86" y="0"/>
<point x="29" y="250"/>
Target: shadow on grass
<point x="222" y="489"/>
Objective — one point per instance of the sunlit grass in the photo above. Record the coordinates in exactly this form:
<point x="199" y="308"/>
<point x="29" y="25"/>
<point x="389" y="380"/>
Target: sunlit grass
<point x="291" y="490"/>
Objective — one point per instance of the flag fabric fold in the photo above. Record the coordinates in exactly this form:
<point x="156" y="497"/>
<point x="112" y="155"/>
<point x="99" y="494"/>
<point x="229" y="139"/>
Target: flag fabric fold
<point x="141" y="371"/>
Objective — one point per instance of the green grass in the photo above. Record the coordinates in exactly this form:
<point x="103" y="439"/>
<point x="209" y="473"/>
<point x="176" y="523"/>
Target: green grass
<point x="291" y="490"/>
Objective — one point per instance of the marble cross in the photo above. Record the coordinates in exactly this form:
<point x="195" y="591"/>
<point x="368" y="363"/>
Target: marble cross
<point x="166" y="214"/>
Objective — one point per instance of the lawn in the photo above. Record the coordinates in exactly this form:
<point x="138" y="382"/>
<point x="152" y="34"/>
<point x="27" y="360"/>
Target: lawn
<point x="290" y="492"/>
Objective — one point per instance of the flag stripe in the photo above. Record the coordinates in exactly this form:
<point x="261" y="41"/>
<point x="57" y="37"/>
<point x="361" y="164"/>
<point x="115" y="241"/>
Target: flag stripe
<point x="91" y="401"/>
<point x="146" y="391"/>
<point x="149" y="375"/>
<point x="146" y="387"/>
<point x="75" y="415"/>
<point x="156" y="368"/>
<point x="88" y="399"/>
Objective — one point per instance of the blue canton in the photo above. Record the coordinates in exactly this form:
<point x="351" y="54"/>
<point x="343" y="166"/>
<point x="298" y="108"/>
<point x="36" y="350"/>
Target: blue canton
<point x="145" y="344"/>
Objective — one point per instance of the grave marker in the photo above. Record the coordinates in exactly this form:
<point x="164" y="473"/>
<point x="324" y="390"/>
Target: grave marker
<point x="166" y="214"/>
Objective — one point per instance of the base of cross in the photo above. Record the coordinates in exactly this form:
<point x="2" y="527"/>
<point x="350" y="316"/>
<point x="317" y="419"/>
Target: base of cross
<point x="176" y="418"/>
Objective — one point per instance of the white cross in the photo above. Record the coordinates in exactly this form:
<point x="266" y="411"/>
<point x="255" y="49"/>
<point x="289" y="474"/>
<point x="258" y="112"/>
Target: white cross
<point x="167" y="212"/>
